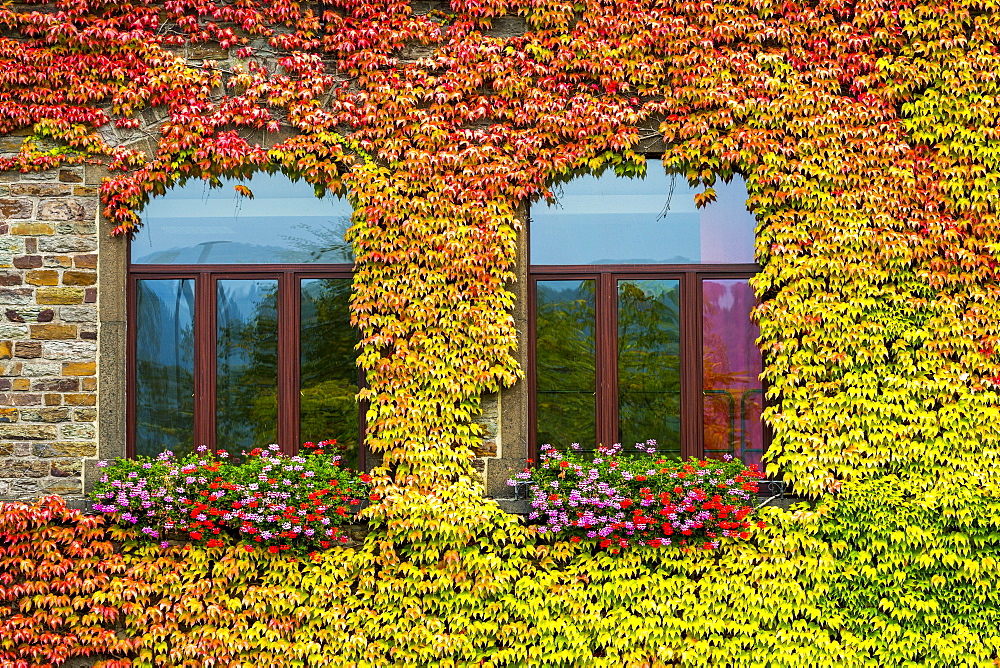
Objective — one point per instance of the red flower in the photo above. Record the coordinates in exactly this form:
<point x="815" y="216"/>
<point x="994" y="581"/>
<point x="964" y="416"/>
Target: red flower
<point x="365" y="477"/>
<point x="214" y="542"/>
<point x="273" y="549"/>
<point x="563" y="464"/>
<point x="195" y="535"/>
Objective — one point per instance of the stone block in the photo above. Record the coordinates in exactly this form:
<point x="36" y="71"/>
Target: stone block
<point x="74" y="351"/>
<point x="36" y="369"/>
<point x="25" y="399"/>
<point x="487" y="449"/>
<point x="10" y="278"/>
<point x="8" y="415"/>
<point x="15" y="208"/>
<point x="53" y="399"/>
<point x="21" y="384"/>
<point x="78" y="430"/>
<point x="17" y="468"/>
<point x="67" y="468"/>
<point x="85" y="415"/>
<point x="88" y="384"/>
<point x="67" y="244"/>
<point x="29" y="314"/>
<point x="79" y="368"/>
<point x="88" y="399"/>
<point x="64" y="449"/>
<point x="6" y="350"/>
<point x="62" y="209"/>
<point x="88" y="226"/>
<point x="56" y="384"/>
<point x="28" y="349"/>
<point x="32" y="229"/>
<point x="90" y="296"/>
<point x="9" y="330"/>
<point x="28" y="432"/>
<point x="49" y="414"/>
<point x="27" y="261"/>
<point x="63" y="486"/>
<point x="42" y="277"/>
<point x="206" y="51"/>
<point x="48" y="332"/>
<point x="70" y="175"/>
<point x="87" y="191"/>
<point x="57" y="261"/>
<point x="10" y="243"/>
<point x="63" y="296"/>
<point x="79" y="277"/>
<point x="78" y="314"/>
<point x="39" y="189"/>
<point x="85" y="261"/>
<point x="14" y="449"/>
<point x="11" y="144"/>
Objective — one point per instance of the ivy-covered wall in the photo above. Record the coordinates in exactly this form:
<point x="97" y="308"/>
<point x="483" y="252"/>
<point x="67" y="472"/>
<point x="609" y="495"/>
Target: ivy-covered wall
<point x="867" y="134"/>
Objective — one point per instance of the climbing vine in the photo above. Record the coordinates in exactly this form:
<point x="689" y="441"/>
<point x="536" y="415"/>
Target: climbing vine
<point x="866" y="131"/>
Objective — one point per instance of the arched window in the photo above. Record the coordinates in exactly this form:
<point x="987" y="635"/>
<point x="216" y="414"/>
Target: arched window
<point x="640" y="317"/>
<point x="239" y="326"/>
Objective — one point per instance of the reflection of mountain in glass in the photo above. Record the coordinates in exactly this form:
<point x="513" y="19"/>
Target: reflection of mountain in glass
<point x="284" y="222"/>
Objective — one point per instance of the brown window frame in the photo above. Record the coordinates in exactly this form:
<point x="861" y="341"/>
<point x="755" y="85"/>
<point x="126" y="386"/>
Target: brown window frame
<point x="206" y="277"/>
<point x="606" y="277"/>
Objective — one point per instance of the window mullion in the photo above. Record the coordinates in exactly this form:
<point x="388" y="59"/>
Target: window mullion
<point x="204" y="359"/>
<point x="691" y="366"/>
<point x="607" y="359"/>
<point x="289" y="306"/>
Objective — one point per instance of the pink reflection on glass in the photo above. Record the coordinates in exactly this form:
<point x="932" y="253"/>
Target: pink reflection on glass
<point x="732" y="393"/>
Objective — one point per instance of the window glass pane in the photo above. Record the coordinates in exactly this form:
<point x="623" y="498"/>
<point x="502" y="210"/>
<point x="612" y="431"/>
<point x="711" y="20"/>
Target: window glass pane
<point x="329" y="376"/>
<point x="565" y="363"/>
<point x="164" y="366"/>
<point x="246" y="364"/>
<point x="608" y="219"/>
<point x="732" y="368"/>
<point x="649" y="371"/>
<point x="284" y="222"/>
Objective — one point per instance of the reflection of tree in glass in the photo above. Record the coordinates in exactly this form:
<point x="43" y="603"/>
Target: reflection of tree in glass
<point x="649" y="383"/>
<point x="164" y="366"/>
<point x="565" y="363"/>
<point x="329" y="375"/>
<point x="247" y="365"/>
<point x="323" y="242"/>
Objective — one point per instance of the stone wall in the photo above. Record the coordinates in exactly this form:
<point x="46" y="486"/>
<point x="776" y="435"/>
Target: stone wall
<point x="48" y="331"/>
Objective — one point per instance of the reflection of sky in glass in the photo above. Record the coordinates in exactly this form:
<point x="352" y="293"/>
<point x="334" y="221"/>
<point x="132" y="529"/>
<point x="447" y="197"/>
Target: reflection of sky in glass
<point x="284" y="222"/>
<point x="615" y="220"/>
